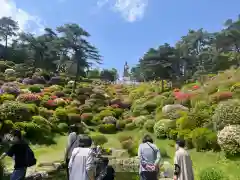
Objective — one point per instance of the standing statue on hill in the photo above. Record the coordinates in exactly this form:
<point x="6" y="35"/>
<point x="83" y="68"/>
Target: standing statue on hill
<point x="126" y="71"/>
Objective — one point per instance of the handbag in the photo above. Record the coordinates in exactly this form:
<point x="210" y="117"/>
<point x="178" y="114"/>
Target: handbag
<point x="149" y="166"/>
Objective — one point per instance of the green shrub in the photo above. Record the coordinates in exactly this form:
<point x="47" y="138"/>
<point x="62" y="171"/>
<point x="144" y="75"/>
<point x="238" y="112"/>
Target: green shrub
<point x="120" y="125"/>
<point x="35" y="88"/>
<point x="44" y="112"/>
<point x="228" y="139"/>
<point x="159" y="129"/>
<point x="107" y="128"/>
<point x="149" y="124"/>
<point x="74" y="118"/>
<point x="63" y="127"/>
<point x="202" y="139"/>
<point x="14" y="111"/>
<point x="61" y="114"/>
<point x="227" y="113"/>
<point x="212" y="174"/>
<point x="130" y="146"/>
<point x="130" y="126"/>
<point x="185" y="123"/>
<point x="42" y="122"/>
<point x="99" y="139"/>
<point x="140" y="120"/>
<point x="6" y="97"/>
<point x="173" y="134"/>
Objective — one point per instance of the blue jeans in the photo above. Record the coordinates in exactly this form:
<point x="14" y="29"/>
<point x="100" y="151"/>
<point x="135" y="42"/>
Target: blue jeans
<point x="146" y="175"/>
<point x="18" y="174"/>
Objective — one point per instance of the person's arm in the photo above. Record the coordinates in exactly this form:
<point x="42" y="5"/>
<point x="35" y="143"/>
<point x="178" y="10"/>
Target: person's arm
<point x="158" y="159"/>
<point x="90" y="166"/>
<point x="176" y="166"/>
<point x="139" y="151"/>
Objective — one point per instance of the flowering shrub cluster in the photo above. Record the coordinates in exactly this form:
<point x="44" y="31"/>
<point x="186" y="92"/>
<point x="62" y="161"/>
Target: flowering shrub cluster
<point x="29" y="98"/>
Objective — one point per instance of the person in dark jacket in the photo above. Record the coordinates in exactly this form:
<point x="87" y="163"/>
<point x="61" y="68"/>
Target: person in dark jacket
<point x="107" y="172"/>
<point x="18" y="152"/>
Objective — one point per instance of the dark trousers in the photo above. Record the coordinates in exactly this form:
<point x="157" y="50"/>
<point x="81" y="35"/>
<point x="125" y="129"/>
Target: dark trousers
<point x="67" y="170"/>
<point x="146" y="175"/>
<point x="18" y="174"/>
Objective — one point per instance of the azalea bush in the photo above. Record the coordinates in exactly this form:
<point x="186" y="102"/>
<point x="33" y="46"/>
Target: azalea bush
<point x="29" y="98"/>
<point x="229" y="139"/>
<point x="227" y="113"/>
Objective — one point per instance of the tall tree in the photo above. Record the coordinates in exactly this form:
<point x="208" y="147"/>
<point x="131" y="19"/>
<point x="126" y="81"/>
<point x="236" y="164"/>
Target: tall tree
<point x="8" y="29"/>
<point x="75" y="39"/>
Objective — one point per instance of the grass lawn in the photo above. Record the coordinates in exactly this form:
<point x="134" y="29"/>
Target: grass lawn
<point x="200" y="159"/>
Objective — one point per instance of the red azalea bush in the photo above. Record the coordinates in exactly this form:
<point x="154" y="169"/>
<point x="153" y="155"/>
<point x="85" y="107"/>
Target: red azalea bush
<point x="29" y="98"/>
<point x="50" y="104"/>
<point x="220" y="96"/>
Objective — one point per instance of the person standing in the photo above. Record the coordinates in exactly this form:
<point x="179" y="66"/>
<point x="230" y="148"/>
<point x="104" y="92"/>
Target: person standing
<point x="149" y="156"/>
<point x="183" y="164"/>
<point x="82" y="162"/>
<point x="22" y="155"/>
<point x="73" y="142"/>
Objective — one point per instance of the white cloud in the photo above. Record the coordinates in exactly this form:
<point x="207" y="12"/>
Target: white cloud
<point x="25" y="20"/>
<point x="131" y="10"/>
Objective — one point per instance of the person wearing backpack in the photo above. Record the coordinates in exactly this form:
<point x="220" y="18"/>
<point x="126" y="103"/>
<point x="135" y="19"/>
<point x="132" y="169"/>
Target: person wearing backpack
<point x="149" y="156"/>
<point x="22" y="155"/>
<point x="73" y="142"/>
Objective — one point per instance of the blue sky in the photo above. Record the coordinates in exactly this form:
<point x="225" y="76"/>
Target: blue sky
<point x="123" y="30"/>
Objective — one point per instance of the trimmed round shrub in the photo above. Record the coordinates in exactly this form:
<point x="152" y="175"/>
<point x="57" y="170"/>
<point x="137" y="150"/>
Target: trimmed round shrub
<point x="159" y="129"/>
<point x="149" y="124"/>
<point x="140" y="120"/>
<point x="186" y="123"/>
<point x="229" y="139"/>
<point x="35" y="89"/>
<point x="63" y="127"/>
<point x="61" y="114"/>
<point x="59" y="94"/>
<point x="212" y="174"/>
<point x="10" y="88"/>
<point x="203" y="138"/>
<point x="87" y="118"/>
<point x="14" y="111"/>
<point x="85" y="109"/>
<point x="107" y="128"/>
<point x="99" y="139"/>
<point x="227" y="113"/>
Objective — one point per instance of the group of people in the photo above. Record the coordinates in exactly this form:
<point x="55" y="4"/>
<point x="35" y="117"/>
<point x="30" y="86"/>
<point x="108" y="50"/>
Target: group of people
<point x="81" y="160"/>
<point x="84" y="161"/>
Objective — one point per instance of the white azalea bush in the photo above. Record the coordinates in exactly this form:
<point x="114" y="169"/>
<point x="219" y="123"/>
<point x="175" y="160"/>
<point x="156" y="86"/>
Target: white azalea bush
<point x="227" y="113"/>
<point x="229" y="139"/>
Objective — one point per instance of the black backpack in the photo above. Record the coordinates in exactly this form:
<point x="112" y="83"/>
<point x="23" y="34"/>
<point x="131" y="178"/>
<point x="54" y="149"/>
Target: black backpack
<point x="30" y="158"/>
